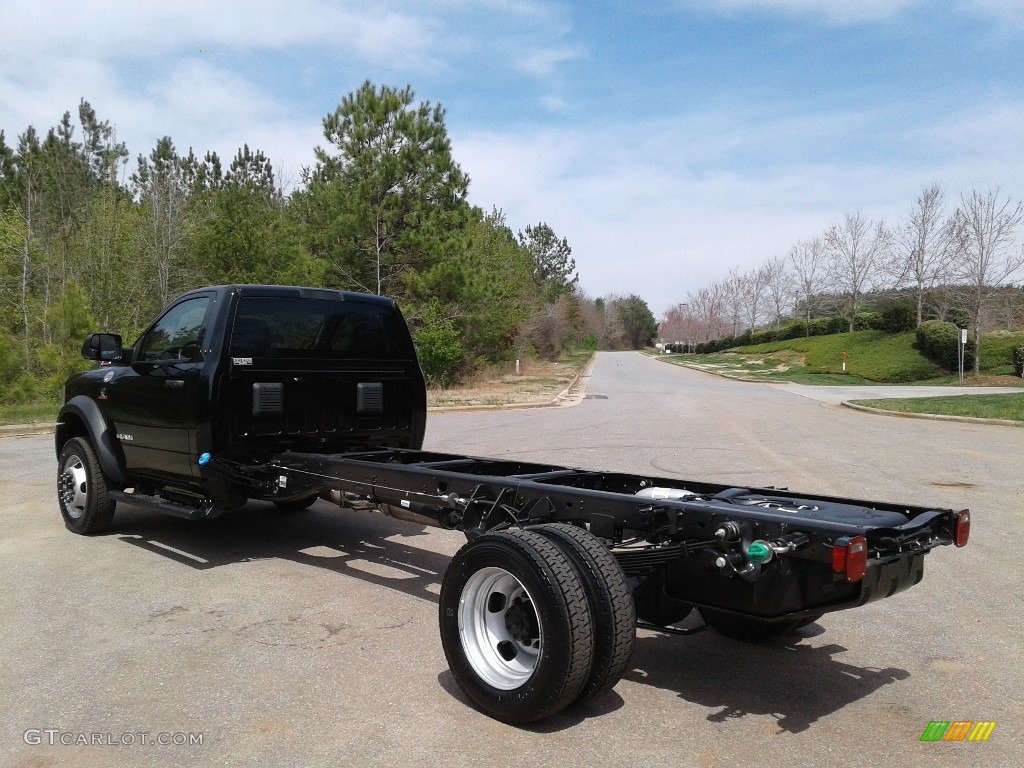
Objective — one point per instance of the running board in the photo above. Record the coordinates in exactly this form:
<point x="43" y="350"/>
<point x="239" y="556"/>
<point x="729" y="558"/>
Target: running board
<point x="162" y="505"/>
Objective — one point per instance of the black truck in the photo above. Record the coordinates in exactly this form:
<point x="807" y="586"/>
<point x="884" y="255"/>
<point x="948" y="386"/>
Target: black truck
<point x="289" y="394"/>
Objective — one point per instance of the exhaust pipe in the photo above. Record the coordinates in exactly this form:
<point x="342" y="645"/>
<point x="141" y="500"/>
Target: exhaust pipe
<point x="409" y="511"/>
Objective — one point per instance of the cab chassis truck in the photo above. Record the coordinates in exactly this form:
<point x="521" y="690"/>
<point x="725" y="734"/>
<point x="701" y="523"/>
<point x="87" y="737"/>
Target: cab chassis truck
<point x="290" y="395"/>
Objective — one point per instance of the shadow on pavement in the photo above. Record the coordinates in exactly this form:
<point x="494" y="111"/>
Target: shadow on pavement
<point x="356" y="544"/>
<point x="796" y="684"/>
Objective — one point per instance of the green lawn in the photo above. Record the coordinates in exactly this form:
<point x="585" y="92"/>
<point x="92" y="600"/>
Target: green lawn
<point x="28" y="413"/>
<point x="872" y="357"/>
<point x="1009" y="407"/>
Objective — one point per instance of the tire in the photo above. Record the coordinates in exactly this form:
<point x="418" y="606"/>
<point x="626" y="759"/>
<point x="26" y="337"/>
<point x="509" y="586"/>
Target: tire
<point x="610" y="600"/>
<point x="745" y="628"/>
<point x="82" y="489"/>
<point x="296" y="505"/>
<point x="516" y="626"/>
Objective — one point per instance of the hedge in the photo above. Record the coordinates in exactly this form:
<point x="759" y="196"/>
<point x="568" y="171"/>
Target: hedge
<point x="939" y="341"/>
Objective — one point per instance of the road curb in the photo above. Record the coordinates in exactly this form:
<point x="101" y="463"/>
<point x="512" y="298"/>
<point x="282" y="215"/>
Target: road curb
<point x="932" y="416"/>
<point x="572" y="394"/>
<point x="23" y="430"/>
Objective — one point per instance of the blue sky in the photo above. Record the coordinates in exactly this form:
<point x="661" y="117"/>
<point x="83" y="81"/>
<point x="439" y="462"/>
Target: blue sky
<point x="668" y="140"/>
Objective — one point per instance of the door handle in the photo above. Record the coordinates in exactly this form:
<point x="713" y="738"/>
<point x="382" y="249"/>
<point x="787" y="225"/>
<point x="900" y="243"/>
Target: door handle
<point x="174" y="383"/>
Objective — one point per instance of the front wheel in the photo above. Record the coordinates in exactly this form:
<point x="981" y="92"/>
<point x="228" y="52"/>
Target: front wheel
<point x="82" y="489"/>
<point x="516" y="626"/>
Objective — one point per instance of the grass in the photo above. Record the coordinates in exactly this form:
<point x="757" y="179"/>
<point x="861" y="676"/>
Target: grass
<point x="29" y="413"/>
<point x="1009" y="407"/>
<point x="784" y="365"/>
<point x="872" y="357"/>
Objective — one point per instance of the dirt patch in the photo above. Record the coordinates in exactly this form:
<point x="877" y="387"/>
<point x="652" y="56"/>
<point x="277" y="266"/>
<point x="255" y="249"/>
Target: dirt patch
<point x="539" y="382"/>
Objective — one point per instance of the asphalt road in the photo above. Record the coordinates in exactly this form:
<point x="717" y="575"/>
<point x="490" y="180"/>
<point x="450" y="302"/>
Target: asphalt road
<point x="310" y="639"/>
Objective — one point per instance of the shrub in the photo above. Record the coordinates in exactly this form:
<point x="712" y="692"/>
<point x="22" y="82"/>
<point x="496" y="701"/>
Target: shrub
<point x="900" y="316"/>
<point x="763" y="336"/>
<point x="826" y="326"/>
<point x="868" y="321"/>
<point x="795" y="329"/>
<point x="939" y="341"/>
<point x="1018" y="361"/>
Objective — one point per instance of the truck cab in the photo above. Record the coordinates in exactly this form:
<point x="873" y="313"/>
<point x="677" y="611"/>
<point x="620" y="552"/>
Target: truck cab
<point x="227" y="376"/>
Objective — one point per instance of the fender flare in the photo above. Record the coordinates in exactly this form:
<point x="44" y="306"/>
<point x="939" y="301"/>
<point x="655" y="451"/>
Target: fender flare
<point x="100" y="433"/>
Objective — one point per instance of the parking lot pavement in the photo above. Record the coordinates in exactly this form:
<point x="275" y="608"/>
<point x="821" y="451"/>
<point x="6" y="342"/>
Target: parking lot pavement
<point x="310" y="639"/>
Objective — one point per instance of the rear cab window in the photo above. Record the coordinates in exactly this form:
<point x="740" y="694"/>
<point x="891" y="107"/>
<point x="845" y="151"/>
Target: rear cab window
<point x="323" y="329"/>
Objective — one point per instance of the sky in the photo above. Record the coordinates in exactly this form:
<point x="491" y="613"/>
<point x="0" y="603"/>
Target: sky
<point x="668" y="141"/>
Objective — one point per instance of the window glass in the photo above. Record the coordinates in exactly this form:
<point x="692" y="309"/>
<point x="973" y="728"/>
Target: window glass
<point x="316" y="328"/>
<point x="178" y="335"/>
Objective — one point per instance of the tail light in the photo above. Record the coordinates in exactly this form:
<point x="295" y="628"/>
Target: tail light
<point x="850" y="557"/>
<point x="962" y="529"/>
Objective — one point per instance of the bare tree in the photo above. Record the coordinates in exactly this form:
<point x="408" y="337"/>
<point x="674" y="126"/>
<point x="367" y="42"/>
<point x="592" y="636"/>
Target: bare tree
<point x="856" y="249"/>
<point x="162" y="188"/>
<point x="987" y="254"/>
<point x="707" y="305"/>
<point x="923" y="246"/>
<point x="755" y="282"/>
<point x="809" y="269"/>
<point x="734" y="291"/>
<point x="779" y="286"/>
<point x="1009" y="306"/>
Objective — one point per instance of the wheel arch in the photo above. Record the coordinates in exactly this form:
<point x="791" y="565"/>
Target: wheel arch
<point x="81" y="417"/>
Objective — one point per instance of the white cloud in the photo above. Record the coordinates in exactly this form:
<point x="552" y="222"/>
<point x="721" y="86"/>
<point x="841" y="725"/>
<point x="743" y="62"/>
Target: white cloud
<point x="648" y="214"/>
<point x="838" y="12"/>
<point x="126" y="28"/>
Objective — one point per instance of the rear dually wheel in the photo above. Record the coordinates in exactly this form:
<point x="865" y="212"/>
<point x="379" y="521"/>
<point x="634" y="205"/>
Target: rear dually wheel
<point x="516" y="626"/>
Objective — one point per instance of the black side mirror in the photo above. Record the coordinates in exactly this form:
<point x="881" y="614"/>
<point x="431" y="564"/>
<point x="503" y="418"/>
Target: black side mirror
<point x="105" y="347"/>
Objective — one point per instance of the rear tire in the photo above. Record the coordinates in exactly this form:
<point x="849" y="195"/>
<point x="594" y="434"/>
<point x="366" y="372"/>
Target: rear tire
<point x="516" y="626"/>
<point x="611" y="604"/>
<point x="82" y="489"/>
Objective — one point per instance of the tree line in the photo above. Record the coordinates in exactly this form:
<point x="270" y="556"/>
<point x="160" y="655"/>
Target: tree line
<point x="940" y="261"/>
<point x="87" y="244"/>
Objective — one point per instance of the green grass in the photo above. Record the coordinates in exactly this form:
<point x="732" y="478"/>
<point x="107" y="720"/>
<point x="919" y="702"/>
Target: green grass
<point x="29" y="413"/>
<point x="997" y="351"/>
<point x="873" y="355"/>
<point x="781" y="366"/>
<point x="1010" y="407"/>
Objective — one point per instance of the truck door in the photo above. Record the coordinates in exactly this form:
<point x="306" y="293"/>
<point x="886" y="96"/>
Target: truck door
<point x="155" y="404"/>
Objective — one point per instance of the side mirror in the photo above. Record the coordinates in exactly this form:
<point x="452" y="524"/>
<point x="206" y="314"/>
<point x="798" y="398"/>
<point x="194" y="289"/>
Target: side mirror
<point x="105" y="347"/>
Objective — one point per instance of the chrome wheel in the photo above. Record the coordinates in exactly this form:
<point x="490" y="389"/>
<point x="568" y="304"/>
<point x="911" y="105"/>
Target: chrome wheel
<point x="73" y="487"/>
<point x="499" y="628"/>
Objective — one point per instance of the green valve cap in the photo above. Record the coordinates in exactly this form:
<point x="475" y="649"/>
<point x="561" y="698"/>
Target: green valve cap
<point x="759" y="552"/>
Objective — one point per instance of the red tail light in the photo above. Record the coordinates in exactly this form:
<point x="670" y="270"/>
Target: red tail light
<point x="850" y="557"/>
<point x="962" y="530"/>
